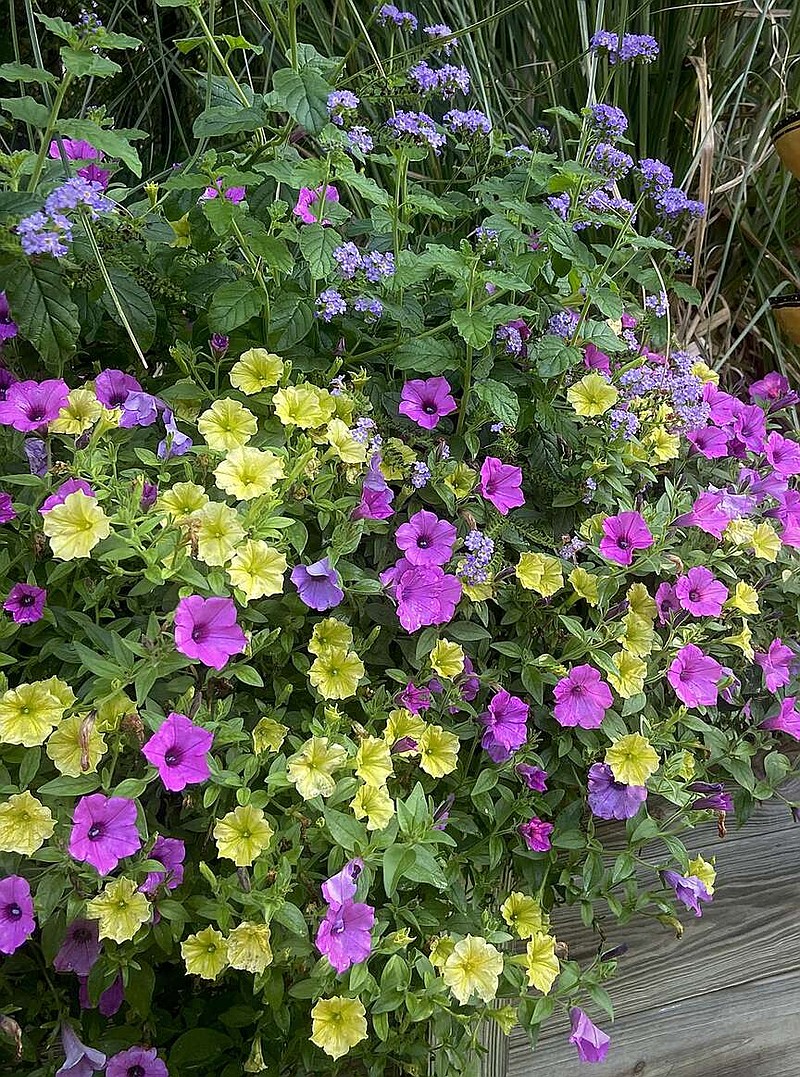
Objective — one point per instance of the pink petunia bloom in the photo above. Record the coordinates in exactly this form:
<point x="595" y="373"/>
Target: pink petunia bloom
<point x="623" y="535"/>
<point x="590" y="1041"/>
<point x="701" y="593"/>
<point x="25" y="603"/>
<point x="30" y="405"/>
<point x="783" y="454"/>
<point x="506" y="726"/>
<point x="771" y="387"/>
<point x="594" y="359"/>
<point x="425" y="594"/>
<point x="776" y="664"/>
<point x="666" y="602"/>
<point x="707" y="513"/>
<point x="309" y="199"/>
<point x="536" y="833"/>
<point x="206" y="629"/>
<point x="534" y="777"/>
<point x="787" y="720"/>
<point x="137" y="1062"/>
<point x="171" y="852"/>
<point x="17" y="922"/>
<point x="104" y="831"/>
<point x="722" y="406"/>
<point x="234" y="195"/>
<point x="500" y="483"/>
<point x="112" y="387"/>
<point x="74" y="150"/>
<point x="750" y="426"/>
<point x="345" y="935"/>
<point x="376" y="494"/>
<point x="582" y="698"/>
<point x="426" y="401"/>
<point x="7" y="510"/>
<point x="694" y="677"/>
<point x="179" y="751"/>
<point x="425" y="539"/>
<point x="414" y="699"/>
<point x="709" y="441"/>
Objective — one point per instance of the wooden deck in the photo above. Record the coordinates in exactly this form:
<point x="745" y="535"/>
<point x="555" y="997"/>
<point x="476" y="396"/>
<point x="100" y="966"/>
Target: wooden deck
<point x="723" y="1001"/>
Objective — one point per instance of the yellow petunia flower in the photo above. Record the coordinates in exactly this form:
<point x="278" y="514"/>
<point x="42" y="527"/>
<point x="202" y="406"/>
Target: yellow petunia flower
<point x="256" y="370"/>
<point x="705" y="872"/>
<point x="522" y="914"/>
<point x="76" y="526"/>
<point x="268" y="736"/>
<point x="739" y="532"/>
<point x="344" y="444"/>
<point x="766" y="542"/>
<point x="403" y="724"/>
<point x="25" y="824"/>
<point x="396" y="460"/>
<point x="473" y="968"/>
<point x="311" y="769"/>
<point x="632" y="759"/>
<point x="120" y="909"/>
<point x="743" y="640"/>
<point x="639" y="635"/>
<point x="632" y="672"/>
<point x="205" y="953"/>
<point x="744" y="598"/>
<point x="82" y="411"/>
<point x="249" y="947"/>
<point x="257" y="569"/>
<point x="76" y="747"/>
<point x="585" y="584"/>
<point x="28" y="714"/>
<point x="373" y="804"/>
<point x="447" y="659"/>
<point x="247" y="473"/>
<point x="641" y="603"/>
<point x="661" y="445"/>
<point x="183" y="500"/>
<point x="335" y="673"/>
<point x="541" y="963"/>
<point x="592" y="395"/>
<point x="61" y="690"/>
<point x="461" y="480"/>
<point x="330" y="634"/>
<point x="299" y="405"/>
<point x="441" y="948"/>
<point x="704" y="372"/>
<point x="374" y="761"/>
<point x="438" y="751"/>
<point x="337" y="1024"/>
<point x="227" y="425"/>
<point x="219" y="532"/>
<point x="541" y="573"/>
<point x="242" y="835"/>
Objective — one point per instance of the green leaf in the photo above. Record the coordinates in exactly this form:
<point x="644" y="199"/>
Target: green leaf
<point x="428" y="355"/>
<point x="233" y="304"/>
<point x="475" y="328"/>
<point x="59" y="27"/>
<point x="198" y="1047"/>
<point x="499" y="399"/>
<point x="345" y="830"/>
<point x="69" y="787"/>
<point x="26" y="109"/>
<point x="80" y="62"/>
<point x="42" y="306"/>
<point x="112" y="143"/>
<point x="227" y="120"/>
<point x="396" y="860"/>
<point x="292" y="919"/>
<point x="304" y="95"/>
<point x="136" y="305"/>
<point x="139" y="988"/>
<point x="318" y="244"/>
<point x="112" y="40"/>
<point x="26" y="73"/>
<point x="553" y="357"/>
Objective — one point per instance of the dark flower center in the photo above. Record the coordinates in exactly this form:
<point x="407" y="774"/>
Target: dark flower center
<point x="13" y="911"/>
<point x="36" y="415"/>
<point x="623" y="542"/>
<point x="694" y="596"/>
<point x="338" y="926"/>
<point x="81" y="935"/>
<point x="27" y="599"/>
<point x="136" y="1071"/>
<point x="577" y="690"/>
<point x="94" y="832"/>
<point x="199" y="633"/>
<point x="429" y="408"/>
<point x="173" y="757"/>
<point x="422" y="543"/>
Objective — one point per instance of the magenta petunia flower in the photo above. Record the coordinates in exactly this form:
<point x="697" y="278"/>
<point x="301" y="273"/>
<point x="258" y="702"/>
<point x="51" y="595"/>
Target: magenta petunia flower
<point x="688" y="889"/>
<point x="582" y="698"/>
<point x="137" y="1062"/>
<point x="776" y="664"/>
<point x="79" y="1060"/>
<point x="594" y="359"/>
<point x="16" y="913"/>
<point x="470" y="683"/>
<point x="80" y="949"/>
<point x="783" y="454"/>
<point x="7" y="510"/>
<point x="376" y="494"/>
<point x="750" y="426"/>
<point x="623" y="535"/>
<point x="206" y="629"/>
<point x="536" y="833"/>
<point x="701" y="593"/>
<point x="342" y="886"/>
<point x="666" y="602"/>
<point x="709" y="441"/>
<point x="425" y="594"/>
<point x="771" y="387"/>
<point x="610" y="799"/>
<point x="787" y="720"/>
<point x="31" y="404"/>
<point x="425" y="539"/>
<point x="506" y="726"/>
<point x="59" y="496"/>
<point x="707" y="513"/>
<point x="590" y="1041"/>
<point x="308" y="203"/>
<point x="75" y="149"/>
<point x="414" y="699"/>
<point x="179" y="751"/>
<point x="425" y="402"/>
<point x="722" y="406"/>
<point x="109" y="1001"/>
<point x="171" y="852"/>
<point x="112" y="387"/>
<point x="345" y="935"/>
<point x="500" y="483"/>
<point x="694" y="677"/>
<point x="104" y="831"/>
<point x="534" y="777"/>
<point x="319" y="585"/>
<point x="25" y="603"/>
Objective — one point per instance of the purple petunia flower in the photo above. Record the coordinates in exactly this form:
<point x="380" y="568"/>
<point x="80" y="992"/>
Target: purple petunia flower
<point x="80" y="949"/>
<point x="666" y="602"/>
<point x="469" y="684"/>
<point x="149" y="495"/>
<point x="179" y="750"/>
<point x="319" y="585"/>
<point x="425" y="539"/>
<point x="787" y="720"/>
<point x="594" y="359"/>
<point x="79" y="1060"/>
<point x="171" y="852"/>
<point x="104" y="831"/>
<point x="30" y="404"/>
<point x="176" y="443"/>
<point x="139" y="409"/>
<point x="701" y="593"/>
<point x="783" y="454"/>
<point x="776" y="664"/>
<point x="534" y="777"/>
<point x="716" y="801"/>
<point x="74" y="150"/>
<point x="136" y="1062"/>
<point x="501" y="484"/>
<point x="206" y="629"/>
<point x="344" y="936"/>
<point x="425" y="594"/>
<point x="506" y="728"/>
<point x="342" y="886"/>
<point x="37" y="455"/>
<point x="309" y="198"/>
<point x="694" y="677"/>
<point x="59" y="496"/>
<point x="707" y="513"/>
<point x="709" y="441"/>
<point x="25" y="603"/>
<point x="582" y="698"/>
<point x="16" y="913"/>
<point x="750" y="426"/>
<point x="414" y="699"/>
<point x="610" y="799"/>
<point x="590" y="1041"/>
<point x="7" y="510"/>
<point x="425" y="402"/>
<point x="376" y="494"/>
<point x="623" y="535"/>
<point x="8" y="327"/>
<point x="110" y="1000"/>
<point x="688" y="889"/>
<point x="111" y="387"/>
<point x="536" y="833"/>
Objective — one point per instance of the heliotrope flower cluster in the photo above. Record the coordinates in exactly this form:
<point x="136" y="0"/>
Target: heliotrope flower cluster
<point x="627" y="49"/>
<point x="50" y="231"/>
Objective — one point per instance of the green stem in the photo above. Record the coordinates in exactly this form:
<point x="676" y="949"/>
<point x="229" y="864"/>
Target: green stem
<point x="48" y="131"/>
<point x="223" y="63"/>
<point x="112" y="291"/>
<point x="467" y="380"/>
<point x="254" y="266"/>
<point x="400" y="179"/>
<point x="292" y="21"/>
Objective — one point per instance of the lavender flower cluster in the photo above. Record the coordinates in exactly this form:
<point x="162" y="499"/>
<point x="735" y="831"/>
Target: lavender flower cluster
<point x="404" y="19"/>
<point x="49" y="231"/>
<point x="331" y="303"/>
<point x="475" y="568"/>
<point x="446" y="81"/>
<point x="418" y="127"/>
<point x="375" y="265"/>
<point x="630" y="48"/>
